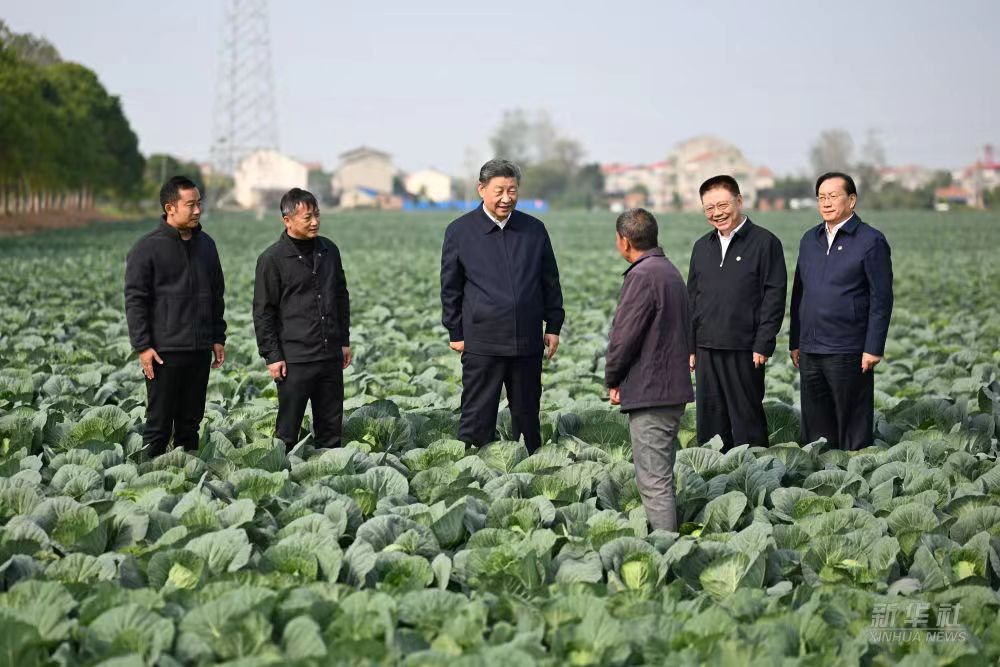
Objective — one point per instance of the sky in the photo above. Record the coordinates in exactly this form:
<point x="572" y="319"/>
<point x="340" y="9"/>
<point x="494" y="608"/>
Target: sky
<point x="429" y="82"/>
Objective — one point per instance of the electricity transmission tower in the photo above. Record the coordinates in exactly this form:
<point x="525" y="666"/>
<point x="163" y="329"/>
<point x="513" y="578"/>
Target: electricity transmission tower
<point x="244" y="118"/>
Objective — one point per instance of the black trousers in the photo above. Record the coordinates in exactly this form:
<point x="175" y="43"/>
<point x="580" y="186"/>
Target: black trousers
<point x="482" y="377"/>
<point x="175" y="400"/>
<point x="729" y="398"/>
<point x="320" y="383"/>
<point x="838" y="400"/>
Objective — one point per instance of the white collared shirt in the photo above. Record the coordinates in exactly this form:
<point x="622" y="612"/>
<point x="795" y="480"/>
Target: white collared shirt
<point x="831" y="234"/>
<point x="500" y="223"/>
<point x="724" y="240"/>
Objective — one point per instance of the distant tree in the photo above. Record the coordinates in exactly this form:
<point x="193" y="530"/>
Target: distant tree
<point x="550" y="162"/>
<point x="160" y="167"/>
<point x="793" y="187"/>
<point x="321" y="185"/>
<point x="66" y="140"/>
<point x="831" y="152"/>
<point x="868" y="172"/>
<point x="29" y="48"/>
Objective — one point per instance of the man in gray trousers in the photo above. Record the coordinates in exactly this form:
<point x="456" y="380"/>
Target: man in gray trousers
<point x="646" y="366"/>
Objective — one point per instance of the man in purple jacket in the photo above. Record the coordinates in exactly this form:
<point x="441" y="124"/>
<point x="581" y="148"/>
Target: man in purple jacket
<point x="646" y="366"/>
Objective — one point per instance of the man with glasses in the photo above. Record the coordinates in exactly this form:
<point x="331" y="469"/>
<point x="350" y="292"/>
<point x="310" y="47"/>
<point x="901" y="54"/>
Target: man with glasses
<point x="841" y="305"/>
<point x="736" y="291"/>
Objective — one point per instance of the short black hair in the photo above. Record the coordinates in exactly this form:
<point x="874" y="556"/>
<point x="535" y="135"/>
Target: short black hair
<point x="498" y="167"/>
<point x="291" y="200"/>
<point x="170" y="192"/>
<point x="849" y="184"/>
<point x="724" y="181"/>
<point x="638" y="226"/>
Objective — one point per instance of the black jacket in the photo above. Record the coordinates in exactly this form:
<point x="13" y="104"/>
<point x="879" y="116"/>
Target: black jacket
<point x="497" y="286"/>
<point x="174" y="292"/>
<point x="737" y="304"/>
<point x="647" y="356"/>
<point x="842" y="295"/>
<point x="301" y="307"/>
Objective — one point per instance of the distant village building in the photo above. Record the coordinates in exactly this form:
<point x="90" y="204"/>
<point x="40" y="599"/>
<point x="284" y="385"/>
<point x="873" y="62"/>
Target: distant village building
<point x="429" y="185"/>
<point x="262" y="177"/>
<point x="364" y="178"/>
<point x="673" y="183"/>
<point x="909" y="177"/>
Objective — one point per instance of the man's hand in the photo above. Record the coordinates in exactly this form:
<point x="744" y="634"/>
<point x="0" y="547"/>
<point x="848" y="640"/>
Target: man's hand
<point x="759" y="360"/>
<point x="869" y="361"/>
<point x="795" y="358"/>
<point x="615" y="395"/>
<point x="551" y="344"/>
<point x="691" y="363"/>
<point x="219" y="353"/>
<point x="457" y="345"/>
<point x="348" y="357"/>
<point x="146" y="358"/>
<point x="278" y="370"/>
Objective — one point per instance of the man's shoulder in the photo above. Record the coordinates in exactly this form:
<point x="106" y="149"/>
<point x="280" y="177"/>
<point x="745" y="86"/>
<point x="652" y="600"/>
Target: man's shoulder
<point x="147" y="241"/>
<point x="271" y="251"/>
<point x="328" y="243"/>
<point x="704" y="240"/>
<point x="464" y="221"/>
<point x="868" y="232"/>
<point x="762" y="233"/>
<point x="529" y="221"/>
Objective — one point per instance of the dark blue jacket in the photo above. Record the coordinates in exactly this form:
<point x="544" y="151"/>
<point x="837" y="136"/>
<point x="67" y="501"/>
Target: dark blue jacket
<point x="497" y="286"/>
<point x="842" y="299"/>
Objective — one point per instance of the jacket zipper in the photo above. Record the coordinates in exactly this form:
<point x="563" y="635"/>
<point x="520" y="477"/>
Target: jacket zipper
<point x="510" y="280"/>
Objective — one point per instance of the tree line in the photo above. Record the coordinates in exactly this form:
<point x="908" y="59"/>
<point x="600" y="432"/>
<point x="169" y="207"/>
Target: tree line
<point x="64" y="140"/>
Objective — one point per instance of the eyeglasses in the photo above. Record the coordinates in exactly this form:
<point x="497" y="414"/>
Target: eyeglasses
<point x="822" y="199"/>
<point x="721" y="208"/>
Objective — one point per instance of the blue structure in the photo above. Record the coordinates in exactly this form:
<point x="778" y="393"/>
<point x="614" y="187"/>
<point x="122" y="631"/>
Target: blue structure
<point x="526" y="205"/>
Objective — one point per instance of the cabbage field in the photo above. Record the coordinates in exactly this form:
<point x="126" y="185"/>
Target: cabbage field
<point x="401" y="548"/>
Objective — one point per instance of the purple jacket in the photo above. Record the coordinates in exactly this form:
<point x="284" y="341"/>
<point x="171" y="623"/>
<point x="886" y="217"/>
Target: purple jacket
<point x="647" y="356"/>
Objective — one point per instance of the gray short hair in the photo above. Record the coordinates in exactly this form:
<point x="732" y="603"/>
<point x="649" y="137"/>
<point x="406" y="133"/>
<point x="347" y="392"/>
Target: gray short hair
<point x="499" y="168"/>
<point x="638" y="226"/>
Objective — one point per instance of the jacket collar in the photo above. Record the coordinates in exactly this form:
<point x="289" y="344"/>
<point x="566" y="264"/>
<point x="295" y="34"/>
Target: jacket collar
<point x="488" y="226"/>
<point x="172" y="232"/>
<point x="745" y="229"/>
<point x="292" y="251"/>
<point x="849" y="227"/>
<point x="652" y="252"/>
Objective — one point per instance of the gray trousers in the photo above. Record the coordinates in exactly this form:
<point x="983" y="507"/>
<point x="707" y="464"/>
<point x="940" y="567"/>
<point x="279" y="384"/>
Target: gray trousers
<point x="654" y="441"/>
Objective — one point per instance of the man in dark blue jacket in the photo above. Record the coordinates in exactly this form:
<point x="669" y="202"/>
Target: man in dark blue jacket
<point x="841" y="304"/>
<point x="174" y="306"/>
<point x="499" y="283"/>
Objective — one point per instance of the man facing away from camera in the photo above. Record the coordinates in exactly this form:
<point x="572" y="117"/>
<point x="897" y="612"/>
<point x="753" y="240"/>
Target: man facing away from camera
<point x="174" y="306"/>
<point x="646" y="365"/>
<point x="302" y="319"/>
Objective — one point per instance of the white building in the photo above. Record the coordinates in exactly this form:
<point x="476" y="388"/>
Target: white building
<point x="429" y="184"/>
<point x="262" y="177"/>
<point x="364" y="174"/>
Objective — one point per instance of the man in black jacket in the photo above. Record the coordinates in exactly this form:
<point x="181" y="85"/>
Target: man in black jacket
<point x="174" y="306"/>
<point x="499" y="282"/>
<point x="302" y="319"/>
<point x="736" y="286"/>
<point x="646" y="369"/>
